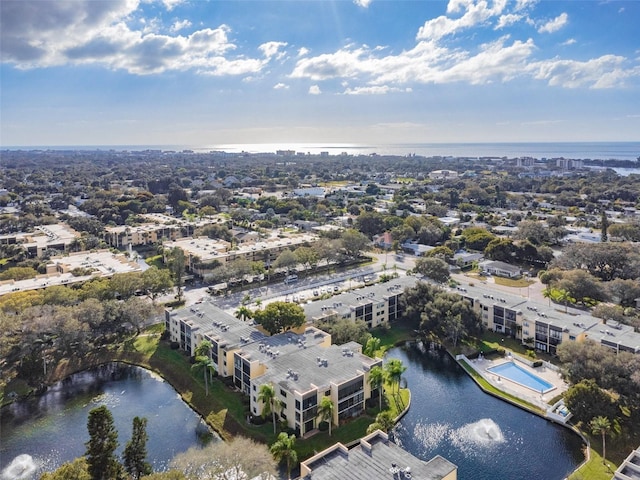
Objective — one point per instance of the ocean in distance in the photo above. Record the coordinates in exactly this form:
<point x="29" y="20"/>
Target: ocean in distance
<point x="575" y="150"/>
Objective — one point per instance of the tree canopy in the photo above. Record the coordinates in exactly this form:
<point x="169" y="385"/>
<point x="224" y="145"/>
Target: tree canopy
<point x="277" y="317"/>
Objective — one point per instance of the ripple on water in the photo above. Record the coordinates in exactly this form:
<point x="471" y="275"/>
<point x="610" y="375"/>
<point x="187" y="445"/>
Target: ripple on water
<point x="430" y="435"/>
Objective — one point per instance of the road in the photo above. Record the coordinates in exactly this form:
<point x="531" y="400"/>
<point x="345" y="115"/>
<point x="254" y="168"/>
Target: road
<point x="305" y="288"/>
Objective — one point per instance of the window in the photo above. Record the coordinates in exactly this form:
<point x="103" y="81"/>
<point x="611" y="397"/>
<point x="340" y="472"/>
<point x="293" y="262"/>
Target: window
<point x="283" y="393"/>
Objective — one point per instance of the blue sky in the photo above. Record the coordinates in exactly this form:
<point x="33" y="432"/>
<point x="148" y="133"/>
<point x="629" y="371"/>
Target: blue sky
<point x="191" y="72"/>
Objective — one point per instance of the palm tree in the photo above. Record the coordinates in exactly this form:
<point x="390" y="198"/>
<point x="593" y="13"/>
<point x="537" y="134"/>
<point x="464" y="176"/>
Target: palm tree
<point x="243" y="313"/>
<point x="325" y="411"/>
<point x="394" y="369"/>
<point x="203" y="359"/>
<point x="376" y="380"/>
<point x="267" y="395"/>
<point x="564" y="296"/>
<point x="601" y="425"/>
<point x="283" y="449"/>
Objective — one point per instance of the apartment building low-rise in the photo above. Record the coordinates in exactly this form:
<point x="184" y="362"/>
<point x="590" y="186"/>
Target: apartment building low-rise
<point x="302" y="365"/>
<point x="375" y="305"/>
<point x="58" y="237"/>
<point x="374" y="457"/>
<point x="200" y="252"/>
<point x="122" y="236"/>
<point x="544" y="325"/>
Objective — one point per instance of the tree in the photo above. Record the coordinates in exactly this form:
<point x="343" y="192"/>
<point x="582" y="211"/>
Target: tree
<point x="74" y="470"/>
<point x="586" y="399"/>
<point x="601" y="425"/>
<point x="353" y="243"/>
<point x="103" y="441"/>
<point x="370" y="223"/>
<point x="604" y="225"/>
<point x="237" y="459"/>
<point x="177" y="266"/>
<point x="371" y="347"/>
<point x="156" y="282"/>
<point x="384" y="421"/>
<point x="135" y="452"/>
<point x="243" y="313"/>
<point x="284" y="450"/>
<point x="376" y="379"/>
<point x="280" y="316"/>
<point x="325" y="411"/>
<point x="267" y="396"/>
<point x="287" y="260"/>
<point x="433" y="268"/>
<point x="533" y="231"/>
<point x="394" y="369"/>
<point x="203" y="360"/>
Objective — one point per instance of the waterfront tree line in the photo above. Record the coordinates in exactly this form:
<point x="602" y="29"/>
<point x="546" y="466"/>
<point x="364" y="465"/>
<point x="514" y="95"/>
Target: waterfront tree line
<point x="239" y="459"/>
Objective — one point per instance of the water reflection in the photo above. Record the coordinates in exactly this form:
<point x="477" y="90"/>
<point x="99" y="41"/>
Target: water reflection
<point x="486" y="437"/>
<point x="41" y="433"/>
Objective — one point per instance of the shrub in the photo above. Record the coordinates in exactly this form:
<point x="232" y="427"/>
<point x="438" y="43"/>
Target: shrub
<point x="323" y="426"/>
<point x="174" y="345"/>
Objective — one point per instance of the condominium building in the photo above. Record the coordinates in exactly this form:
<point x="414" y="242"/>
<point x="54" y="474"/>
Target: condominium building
<point x="58" y="237"/>
<point x="374" y="457"/>
<point x="375" y="305"/>
<point x="202" y="250"/>
<point x="544" y="325"/>
<point x="302" y="365"/>
<point x="146" y="234"/>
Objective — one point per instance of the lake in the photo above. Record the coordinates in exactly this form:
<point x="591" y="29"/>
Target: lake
<point x="41" y="433"/>
<point x="485" y="437"/>
<point x="449" y="416"/>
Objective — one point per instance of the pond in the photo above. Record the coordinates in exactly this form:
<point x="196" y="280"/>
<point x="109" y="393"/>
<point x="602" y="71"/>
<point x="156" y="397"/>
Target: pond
<point x="484" y="436"/>
<point x="41" y="433"/>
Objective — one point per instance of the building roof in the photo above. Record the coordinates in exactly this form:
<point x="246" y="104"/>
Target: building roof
<point x="375" y="457"/>
<point x="343" y="303"/>
<point x="317" y="367"/>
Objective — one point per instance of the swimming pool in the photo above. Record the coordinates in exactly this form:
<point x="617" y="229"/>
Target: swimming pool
<point x="519" y="375"/>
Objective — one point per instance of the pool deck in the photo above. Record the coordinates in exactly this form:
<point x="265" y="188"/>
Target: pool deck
<point x="501" y="383"/>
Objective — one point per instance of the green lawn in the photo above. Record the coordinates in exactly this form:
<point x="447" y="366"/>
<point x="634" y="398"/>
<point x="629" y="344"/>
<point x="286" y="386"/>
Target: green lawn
<point x="594" y="469"/>
<point x="509" y="282"/>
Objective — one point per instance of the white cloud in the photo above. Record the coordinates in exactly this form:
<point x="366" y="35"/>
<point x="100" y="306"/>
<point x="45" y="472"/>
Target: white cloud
<point x="180" y="25"/>
<point x="568" y="42"/>
<point x="89" y="32"/>
<point x="362" y="3"/>
<point x="555" y="24"/>
<point x="314" y="90"/>
<point x="281" y="86"/>
<point x="474" y="14"/>
<point x="272" y="49"/>
<point x="303" y="51"/>
<point x="373" y="90"/>
<point x="603" y="72"/>
<point x="507" y="20"/>
<point x="171" y="4"/>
